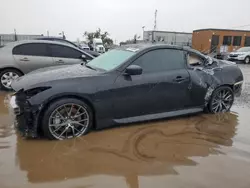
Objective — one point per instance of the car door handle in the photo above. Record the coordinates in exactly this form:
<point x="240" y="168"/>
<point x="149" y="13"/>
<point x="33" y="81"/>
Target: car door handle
<point x="179" y="79"/>
<point x="24" y="59"/>
<point x="60" y="61"/>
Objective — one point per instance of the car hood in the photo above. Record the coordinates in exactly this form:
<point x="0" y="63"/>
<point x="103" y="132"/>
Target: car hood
<point x="51" y="74"/>
<point x="239" y="53"/>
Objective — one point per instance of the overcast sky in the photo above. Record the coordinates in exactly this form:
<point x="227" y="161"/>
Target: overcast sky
<point x="121" y="18"/>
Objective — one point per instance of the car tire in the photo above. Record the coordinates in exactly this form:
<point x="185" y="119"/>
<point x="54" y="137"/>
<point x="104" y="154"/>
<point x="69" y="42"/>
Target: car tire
<point x="5" y="78"/>
<point x="55" y="118"/>
<point x="221" y="100"/>
<point x="247" y="60"/>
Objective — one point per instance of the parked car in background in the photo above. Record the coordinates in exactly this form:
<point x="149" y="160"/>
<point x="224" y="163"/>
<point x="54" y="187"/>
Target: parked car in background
<point x="56" y="39"/>
<point x="242" y="54"/>
<point x="123" y="86"/>
<point x="19" y="58"/>
<point x="84" y="47"/>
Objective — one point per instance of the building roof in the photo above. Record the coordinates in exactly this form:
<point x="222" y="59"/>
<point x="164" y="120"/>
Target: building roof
<point x="155" y="31"/>
<point x="214" y="29"/>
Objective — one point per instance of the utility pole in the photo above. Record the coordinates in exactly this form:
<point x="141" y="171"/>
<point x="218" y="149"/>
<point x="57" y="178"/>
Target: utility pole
<point x="15" y="35"/>
<point x="143" y="27"/>
<point x="62" y="33"/>
<point x="155" y="23"/>
<point x="48" y="33"/>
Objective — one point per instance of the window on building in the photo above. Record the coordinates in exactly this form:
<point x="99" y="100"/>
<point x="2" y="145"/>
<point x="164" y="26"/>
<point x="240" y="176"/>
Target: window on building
<point x="237" y="41"/>
<point x="247" y="41"/>
<point x="161" y="60"/>
<point x="227" y="40"/>
<point x="215" y="40"/>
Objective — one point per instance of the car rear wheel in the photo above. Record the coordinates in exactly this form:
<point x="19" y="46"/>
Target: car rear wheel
<point x="7" y="76"/>
<point x="247" y="60"/>
<point x="67" y="118"/>
<point x="221" y="100"/>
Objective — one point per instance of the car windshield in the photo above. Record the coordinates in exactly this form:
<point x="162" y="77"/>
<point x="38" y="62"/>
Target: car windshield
<point x="245" y="49"/>
<point x="110" y="59"/>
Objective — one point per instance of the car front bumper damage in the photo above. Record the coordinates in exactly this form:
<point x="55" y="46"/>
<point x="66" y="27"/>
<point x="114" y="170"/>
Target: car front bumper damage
<point x="26" y="117"/>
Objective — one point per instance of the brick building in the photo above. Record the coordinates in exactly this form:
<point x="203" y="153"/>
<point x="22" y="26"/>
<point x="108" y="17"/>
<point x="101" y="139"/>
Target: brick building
<point x="219" y="40"/>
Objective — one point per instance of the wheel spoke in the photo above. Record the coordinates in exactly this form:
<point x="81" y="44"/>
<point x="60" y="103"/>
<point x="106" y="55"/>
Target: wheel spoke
<point x="63" y="132"/>
<point x="78" y="123"/>
<point x="225" y="105"/>
<point x="60" y="114"/>
<point x="216" y="108"/>
<point x="228" y="98"/>
<point x="79" y="115"/>
<point x="76" y="130"/>
<point x="70" y="111"/>
<point x="225" y="94"/>
<point x="65" y="108"/>
<point x="78" y="110"/>
<point x="58" y="128"/>
<point x="5" y="76"/>
<point x="57" y="125"/>
<point x="215" y="102"/>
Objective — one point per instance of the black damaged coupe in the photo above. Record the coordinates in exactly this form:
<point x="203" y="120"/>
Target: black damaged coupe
<point x="124" y="85"/>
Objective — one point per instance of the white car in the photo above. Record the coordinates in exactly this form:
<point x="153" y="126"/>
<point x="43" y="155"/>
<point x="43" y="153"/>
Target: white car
<point x="242" y="54"/>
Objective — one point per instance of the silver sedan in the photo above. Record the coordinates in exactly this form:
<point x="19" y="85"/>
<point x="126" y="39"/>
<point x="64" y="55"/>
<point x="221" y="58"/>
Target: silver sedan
<point x="22" y="57"/>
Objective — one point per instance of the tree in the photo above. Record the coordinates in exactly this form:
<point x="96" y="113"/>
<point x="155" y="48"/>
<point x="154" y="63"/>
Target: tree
<point x="98" y="34"/>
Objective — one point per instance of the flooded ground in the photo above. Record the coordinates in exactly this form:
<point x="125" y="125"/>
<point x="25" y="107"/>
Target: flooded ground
<point x="200" y="151"/>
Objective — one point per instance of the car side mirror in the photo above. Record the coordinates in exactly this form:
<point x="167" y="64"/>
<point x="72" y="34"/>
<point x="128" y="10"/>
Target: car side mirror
<point x="133" y="70"/>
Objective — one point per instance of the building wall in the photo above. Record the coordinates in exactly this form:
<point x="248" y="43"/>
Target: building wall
<point x="202" y="39"/>
<point x="175" y="38"/>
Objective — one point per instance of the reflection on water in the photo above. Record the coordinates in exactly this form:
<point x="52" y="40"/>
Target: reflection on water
<point x="151" y="149"/>
<point x="5" y="129"/>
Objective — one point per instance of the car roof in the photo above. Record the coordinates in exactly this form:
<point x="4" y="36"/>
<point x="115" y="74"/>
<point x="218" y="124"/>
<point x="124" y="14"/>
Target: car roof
<point x="141" y="47"/>
<point x="13" y="44"/>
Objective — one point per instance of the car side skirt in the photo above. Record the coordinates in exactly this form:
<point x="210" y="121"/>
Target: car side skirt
<point x="158" y="115"/>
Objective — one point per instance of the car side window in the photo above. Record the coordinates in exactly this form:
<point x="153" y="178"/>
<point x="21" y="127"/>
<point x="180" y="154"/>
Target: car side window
<point x="32" y="49"/>
<point x="194" y="60"/>
<point x="64" y="52"/>
<point x="161" y="60"/>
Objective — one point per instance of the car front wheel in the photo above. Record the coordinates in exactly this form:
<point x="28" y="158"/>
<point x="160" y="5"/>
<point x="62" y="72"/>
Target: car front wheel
<point x="247" y="60"/>
<point x="67" y="118"/>
<point x="7" y="76"/>
<point x="221" y="100"/>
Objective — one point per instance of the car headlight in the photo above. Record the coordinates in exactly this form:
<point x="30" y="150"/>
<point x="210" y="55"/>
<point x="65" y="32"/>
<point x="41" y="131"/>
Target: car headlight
<point x="32" y="92"/>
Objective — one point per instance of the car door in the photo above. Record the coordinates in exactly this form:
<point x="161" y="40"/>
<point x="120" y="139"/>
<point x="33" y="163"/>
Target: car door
<point x="64" y="55"/>
<point x="200" y="78"/>
<point x="162" y="87"/>
<point x="32" y="56"/>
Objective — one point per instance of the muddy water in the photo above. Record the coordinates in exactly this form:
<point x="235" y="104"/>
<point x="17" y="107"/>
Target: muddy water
<point x="199" y="151"/>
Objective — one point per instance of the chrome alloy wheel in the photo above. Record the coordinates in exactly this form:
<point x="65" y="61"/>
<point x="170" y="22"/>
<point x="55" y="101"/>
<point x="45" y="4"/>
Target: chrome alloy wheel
<point x="222" y="101"/>
<point x="247" y="60"/>
<point x="68" y="121"/>
<point x="7" y="78"/>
